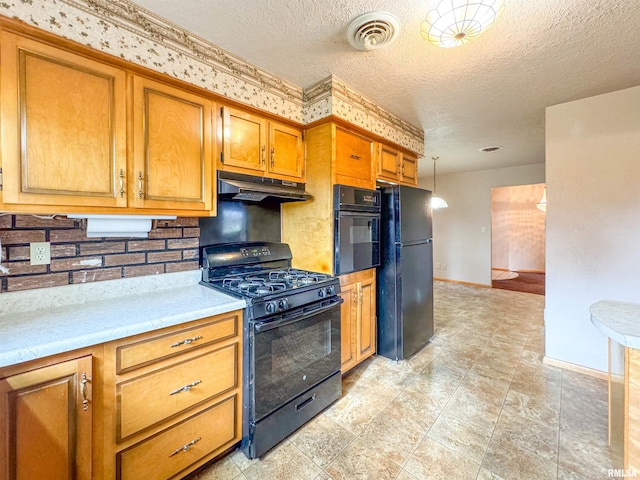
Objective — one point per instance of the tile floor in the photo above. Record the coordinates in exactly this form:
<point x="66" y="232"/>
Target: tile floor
<point x="476" y="403"/>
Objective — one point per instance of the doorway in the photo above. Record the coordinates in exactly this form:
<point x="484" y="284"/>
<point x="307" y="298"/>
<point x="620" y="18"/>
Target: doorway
<point x="518" y="238"/>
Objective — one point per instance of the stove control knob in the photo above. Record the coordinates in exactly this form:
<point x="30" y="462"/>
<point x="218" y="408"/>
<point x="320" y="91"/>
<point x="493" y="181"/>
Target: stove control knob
<point x="283" y="304"/>
<point x="322" y="292"/>
<point x="271" y="307"/>
<point x="331" y="290"/>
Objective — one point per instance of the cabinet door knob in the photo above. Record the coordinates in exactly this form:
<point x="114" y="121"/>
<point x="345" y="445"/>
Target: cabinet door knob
<point x="121" y="183"/>
<point x="273" y="156"/>
<point x="264" y="154"/>
<point x="140" y="185"/>
<point x="83" y="389"/>
<point x="356" y="157"/>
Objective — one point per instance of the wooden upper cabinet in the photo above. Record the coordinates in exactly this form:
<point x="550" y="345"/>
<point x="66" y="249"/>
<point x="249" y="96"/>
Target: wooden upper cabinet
<point x="63" y="127"/>
<point x="389" y="162"/>
<point x="286" y="152"/>
<point x="253" y="145"/>
<point x="409" y="170"/>
<point x="354" y="159"/>
<point x="172" y="148"/>
<point x="45" y="425"/>
<point x="244" y="142"/>
<point x="396" y="166"/>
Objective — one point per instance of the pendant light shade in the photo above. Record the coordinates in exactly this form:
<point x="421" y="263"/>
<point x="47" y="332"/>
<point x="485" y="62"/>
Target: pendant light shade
<point x="456" y="22"/>
<point x="542" y="204"/>
<point x="436" y="202"/>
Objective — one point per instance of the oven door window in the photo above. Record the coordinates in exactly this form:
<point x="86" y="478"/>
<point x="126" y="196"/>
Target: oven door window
<point x="291" y="358"/>
<point x="358" y="243"/>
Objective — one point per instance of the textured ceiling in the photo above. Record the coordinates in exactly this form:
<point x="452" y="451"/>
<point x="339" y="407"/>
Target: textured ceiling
<point x="492" y="91"/>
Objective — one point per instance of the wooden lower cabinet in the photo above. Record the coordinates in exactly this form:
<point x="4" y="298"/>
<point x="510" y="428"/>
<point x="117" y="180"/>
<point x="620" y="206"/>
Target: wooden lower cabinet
<point x="179" y="447"/>
<point x="358" y="320"/>
<point x="172" y="398"/>
<point x="46" y="422"/>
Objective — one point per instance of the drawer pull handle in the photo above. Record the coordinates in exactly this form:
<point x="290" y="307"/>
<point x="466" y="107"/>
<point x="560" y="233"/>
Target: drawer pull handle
<point x="185" y="447"/>
<point x="83" y="389"/>
<point x="186" y="388"/>
<point x="356" y="157"/>
<point x="186" y="341"/>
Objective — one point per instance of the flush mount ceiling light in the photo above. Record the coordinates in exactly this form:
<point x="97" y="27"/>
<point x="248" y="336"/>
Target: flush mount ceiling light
<point x="436" y="202"/>
<point x="456" y="22"/>
<point x="491" y="149"/>
<point x="373" y="30"/>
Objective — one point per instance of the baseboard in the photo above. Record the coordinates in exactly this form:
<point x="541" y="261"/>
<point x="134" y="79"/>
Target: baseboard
<point x="460" y="282"/>
<point x="592" y="372"/>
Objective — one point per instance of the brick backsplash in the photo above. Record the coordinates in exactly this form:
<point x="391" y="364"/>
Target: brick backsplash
<point x="172" y="246"/>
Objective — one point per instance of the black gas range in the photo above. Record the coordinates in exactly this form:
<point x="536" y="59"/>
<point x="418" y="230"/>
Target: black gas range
<point x="291" y="351"/>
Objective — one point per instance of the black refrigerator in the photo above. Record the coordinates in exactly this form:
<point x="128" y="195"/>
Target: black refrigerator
<point x="405" y="275"/>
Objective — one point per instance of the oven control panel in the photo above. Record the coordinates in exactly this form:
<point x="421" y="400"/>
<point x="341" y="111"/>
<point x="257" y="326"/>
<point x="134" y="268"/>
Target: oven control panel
<point x="255" y="252"/>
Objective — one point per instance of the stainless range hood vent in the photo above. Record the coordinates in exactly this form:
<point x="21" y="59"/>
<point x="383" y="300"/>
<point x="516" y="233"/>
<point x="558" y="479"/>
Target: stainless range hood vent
<point x="247" y="188"/>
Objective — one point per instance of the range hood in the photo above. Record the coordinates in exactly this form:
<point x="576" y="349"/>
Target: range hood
<point x="236" y="186"/>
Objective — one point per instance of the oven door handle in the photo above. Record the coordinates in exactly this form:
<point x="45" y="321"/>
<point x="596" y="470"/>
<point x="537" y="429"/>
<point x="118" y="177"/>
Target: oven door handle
<point x="295" y="316"/>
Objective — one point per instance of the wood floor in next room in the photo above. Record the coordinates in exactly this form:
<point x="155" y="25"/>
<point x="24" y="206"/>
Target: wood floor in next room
<point x="529" y="282"/>
<point x="476" y="403"/>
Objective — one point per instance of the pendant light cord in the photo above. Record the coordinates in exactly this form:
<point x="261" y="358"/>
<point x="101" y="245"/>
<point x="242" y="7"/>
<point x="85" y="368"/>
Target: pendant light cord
<point x="434" y="175"/>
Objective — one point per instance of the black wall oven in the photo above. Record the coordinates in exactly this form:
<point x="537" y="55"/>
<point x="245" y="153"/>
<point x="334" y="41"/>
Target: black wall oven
<point x="357" y="229"/>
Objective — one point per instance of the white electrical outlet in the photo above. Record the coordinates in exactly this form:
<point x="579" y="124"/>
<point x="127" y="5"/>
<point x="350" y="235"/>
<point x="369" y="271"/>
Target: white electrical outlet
<point x="40" y="253"/>
<point x="437" y="266"/>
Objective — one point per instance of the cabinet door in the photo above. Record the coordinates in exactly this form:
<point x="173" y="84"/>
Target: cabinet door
<point x="172" y="148"/>
<point x="244" y="142"/>
<point x="286" y="153"/>
<point x="44" y="424"/>
<point x="388" y="162"/>
<point x="348" y="312"/>
<point x="409" y="169"/>
<point x="367" y="318"/>
<point x="354" y="160"/>
<point x="63" y="127"/>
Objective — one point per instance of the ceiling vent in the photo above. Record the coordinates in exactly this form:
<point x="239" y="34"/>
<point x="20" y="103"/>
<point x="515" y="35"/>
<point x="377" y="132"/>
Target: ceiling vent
<point x="373" y="30"/>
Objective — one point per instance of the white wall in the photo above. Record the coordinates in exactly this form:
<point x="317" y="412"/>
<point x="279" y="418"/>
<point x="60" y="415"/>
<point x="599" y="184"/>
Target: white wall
<point x="459" y="240"/>
<point x="593" y="219"/>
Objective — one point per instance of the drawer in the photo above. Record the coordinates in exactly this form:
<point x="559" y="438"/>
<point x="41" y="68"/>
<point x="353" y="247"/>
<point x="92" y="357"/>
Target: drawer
<point x="136" y="354"/>
<point x="170" y="452"/>
<point x="149" y="399"/>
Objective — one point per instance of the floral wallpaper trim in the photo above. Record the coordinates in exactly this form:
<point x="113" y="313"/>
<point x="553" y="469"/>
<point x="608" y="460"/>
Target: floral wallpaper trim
<point x="123" y="29"/>
<point x="333" y="96"/>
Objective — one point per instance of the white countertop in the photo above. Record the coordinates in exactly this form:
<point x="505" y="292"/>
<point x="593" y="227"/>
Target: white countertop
<point x="618" y="320"/>
<point x="47" y="321"/>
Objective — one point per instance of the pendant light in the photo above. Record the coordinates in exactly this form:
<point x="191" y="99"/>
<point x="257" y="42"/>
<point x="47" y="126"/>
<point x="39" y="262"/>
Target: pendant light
<point x="436" y="202"/>
<point x="542" y="204"/>
<point x="456" y="22"/>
